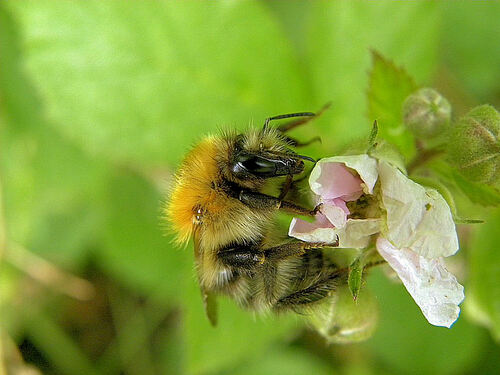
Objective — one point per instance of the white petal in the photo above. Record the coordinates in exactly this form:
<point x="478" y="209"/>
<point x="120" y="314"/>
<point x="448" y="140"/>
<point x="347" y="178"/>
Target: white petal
<point x="435" y="290"/>
<point x="365" y="166"/>
<point x="417" y="218"/>
<point x="356" y="234"/>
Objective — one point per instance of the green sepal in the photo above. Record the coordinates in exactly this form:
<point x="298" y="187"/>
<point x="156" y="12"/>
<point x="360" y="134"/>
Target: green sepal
<point x="385" y="151"/>
<point x="355" y="278"/>
<point x="474" y="146"/>
<point x="373" y="135"/>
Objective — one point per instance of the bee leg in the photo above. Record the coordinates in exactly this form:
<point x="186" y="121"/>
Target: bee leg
<point x="305" y="177"/>
<point x="286" y="187"/>
<point x="298" y="210"/>
<point x="313" y="293"/>
<point x="246" y="257"/>
<point x="293" y="249"/>
<point x="263" y="201"/>
<point x="292" y="187"/>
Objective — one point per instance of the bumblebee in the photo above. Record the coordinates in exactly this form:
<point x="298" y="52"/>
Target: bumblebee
<point x="219" y="199"/>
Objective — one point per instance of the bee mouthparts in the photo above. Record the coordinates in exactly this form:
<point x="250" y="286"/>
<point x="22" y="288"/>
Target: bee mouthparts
<point x="303" y="157"/>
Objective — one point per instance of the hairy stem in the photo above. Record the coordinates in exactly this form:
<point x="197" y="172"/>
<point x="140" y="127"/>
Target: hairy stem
<point x="423" y="158"/>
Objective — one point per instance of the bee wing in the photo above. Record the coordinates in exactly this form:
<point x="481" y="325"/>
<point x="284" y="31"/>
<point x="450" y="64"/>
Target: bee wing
<point x="209" y="299"/>
<point x="210" y="304"/>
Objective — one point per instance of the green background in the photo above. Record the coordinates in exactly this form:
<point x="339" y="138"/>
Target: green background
<point x="99" y="101"/>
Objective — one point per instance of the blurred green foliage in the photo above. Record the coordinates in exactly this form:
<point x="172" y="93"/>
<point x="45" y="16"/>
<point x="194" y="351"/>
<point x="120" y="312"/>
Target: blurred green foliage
<point x="99" y="101"/>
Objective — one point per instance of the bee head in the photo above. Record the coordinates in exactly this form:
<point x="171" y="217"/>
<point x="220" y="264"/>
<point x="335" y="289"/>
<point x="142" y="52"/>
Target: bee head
<point x="264" y="154"/>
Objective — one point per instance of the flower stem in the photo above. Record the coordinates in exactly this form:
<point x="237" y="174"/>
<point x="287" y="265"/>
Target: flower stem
<point x="423" y="158"/>
<point x="375" y="263"/>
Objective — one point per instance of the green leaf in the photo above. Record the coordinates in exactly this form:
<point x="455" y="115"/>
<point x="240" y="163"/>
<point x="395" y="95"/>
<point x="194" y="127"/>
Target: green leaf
<point x="49" y="185"/>
<point x="284" y="361"/>
<point x="389" y="87"/>
<point x="470" y="52"/>
<point x="140" y="81"/>
<point x="355" y="277"/>
<point x="478" y="193"/>
<point x="49" y="336"/>
<point x="134" y="248"/>
<point x="340" y="36"/>
<point x="49" y="191"/>
<point x="406" y="343"/>
<point x="239" y="334"/>
<point x="18" y="102"/>
<point x="485" y="275"/>
<point x="481" y="194"/>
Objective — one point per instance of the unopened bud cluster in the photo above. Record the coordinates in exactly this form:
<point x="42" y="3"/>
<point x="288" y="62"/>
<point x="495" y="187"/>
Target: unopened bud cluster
<point x="474" y="146"/>
<point x="426" y="113"/>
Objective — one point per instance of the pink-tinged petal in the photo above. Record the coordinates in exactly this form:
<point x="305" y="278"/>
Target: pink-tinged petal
<point x="435" y="290"/>
<point x="336" y="181"/>
<point x="365" y="167"/>
<point x="342" y="204"/>
<point x="336" y="212"/>
<point x="321" y="230"/>
<point x="356" y="234"/>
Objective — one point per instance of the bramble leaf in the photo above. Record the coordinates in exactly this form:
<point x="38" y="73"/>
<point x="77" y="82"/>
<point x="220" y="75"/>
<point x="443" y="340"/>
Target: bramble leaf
<point x="389" y="87"/>
<point x="337" y="54"/>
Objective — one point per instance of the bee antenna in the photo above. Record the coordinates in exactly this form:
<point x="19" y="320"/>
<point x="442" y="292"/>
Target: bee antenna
<point x="288" y="115"/>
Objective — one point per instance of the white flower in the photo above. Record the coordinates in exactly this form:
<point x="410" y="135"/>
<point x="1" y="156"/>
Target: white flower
<point x="417" y="218"/>
<point x="434" y="289"/>
<point x="415" y="228"/>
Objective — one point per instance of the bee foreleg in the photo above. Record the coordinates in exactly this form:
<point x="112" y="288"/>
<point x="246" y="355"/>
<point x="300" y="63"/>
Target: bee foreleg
<point x="286" y="187"/>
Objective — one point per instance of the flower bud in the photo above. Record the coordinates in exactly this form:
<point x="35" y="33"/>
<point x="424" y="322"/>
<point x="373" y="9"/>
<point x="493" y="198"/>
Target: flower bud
<point x="474" y="147"/>
<point x="426" y="113"/>
<point x="341" y="319"/>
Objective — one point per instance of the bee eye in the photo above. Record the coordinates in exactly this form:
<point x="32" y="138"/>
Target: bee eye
<point x="257" y="165"/>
